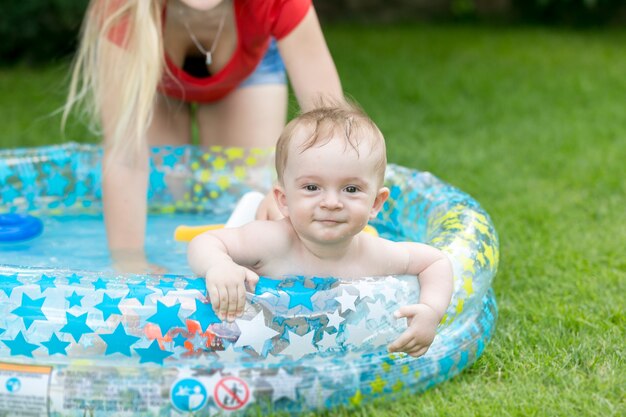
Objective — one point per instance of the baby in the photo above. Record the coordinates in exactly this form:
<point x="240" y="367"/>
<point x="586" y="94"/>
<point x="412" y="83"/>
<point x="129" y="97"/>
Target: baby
<point x="331" y="165"/>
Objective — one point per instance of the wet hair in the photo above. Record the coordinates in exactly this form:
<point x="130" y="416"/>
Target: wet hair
<point x="330" y="120"/>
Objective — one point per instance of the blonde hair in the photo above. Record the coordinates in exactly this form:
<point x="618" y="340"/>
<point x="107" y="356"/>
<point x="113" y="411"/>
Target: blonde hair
<point x="323" y="123"/>
<point x="132" y="69"/>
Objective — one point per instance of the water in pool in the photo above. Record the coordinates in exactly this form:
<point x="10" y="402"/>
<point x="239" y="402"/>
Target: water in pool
<point x="79" y="242"/>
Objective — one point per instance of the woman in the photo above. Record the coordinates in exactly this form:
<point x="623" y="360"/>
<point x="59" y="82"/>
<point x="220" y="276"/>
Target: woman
<point x="142" y="63"/>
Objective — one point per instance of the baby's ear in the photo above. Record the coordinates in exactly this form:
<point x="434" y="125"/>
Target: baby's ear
<point x="281" y="199"/>
<point x="381" y="196"/>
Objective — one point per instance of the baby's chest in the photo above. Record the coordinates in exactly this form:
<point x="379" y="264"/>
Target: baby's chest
<point x="345" y="268"/>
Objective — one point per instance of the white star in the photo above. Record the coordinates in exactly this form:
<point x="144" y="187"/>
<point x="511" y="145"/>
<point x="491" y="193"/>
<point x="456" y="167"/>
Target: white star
<point x="254" y="333"/>
<point x="329" y="341"/>
<point x="366" y="290"/>
<point x="334" y="320"/>
<point x="377" y="310"/>
<point x="347" y="301"/>
<point x="316" y="396"/>
<point x="299" y="346"/>
<point x="198" y="342"/>
<point x="381" y="339"/>
<point x="283" y="385"/>
<point x="356" y="334"/>
<point x="272" y="360"/>
<point x="389" y="293"/>
<point x="228" y="355"/>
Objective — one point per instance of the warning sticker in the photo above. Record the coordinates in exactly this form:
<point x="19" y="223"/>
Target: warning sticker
<point x="24" y="389"/>
<point x="231" y="393"/>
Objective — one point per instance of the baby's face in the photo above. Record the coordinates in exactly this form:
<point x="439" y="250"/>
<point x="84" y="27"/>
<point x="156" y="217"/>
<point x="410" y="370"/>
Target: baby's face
<point x="330" y="189"/>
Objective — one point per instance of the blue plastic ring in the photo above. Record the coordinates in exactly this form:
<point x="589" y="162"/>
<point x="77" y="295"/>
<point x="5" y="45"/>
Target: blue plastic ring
<point x="17" y="227"/>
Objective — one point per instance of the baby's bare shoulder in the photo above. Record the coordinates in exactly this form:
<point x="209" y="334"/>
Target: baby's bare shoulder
<point x="377" y="248"/>
<point x="269" y="233"/>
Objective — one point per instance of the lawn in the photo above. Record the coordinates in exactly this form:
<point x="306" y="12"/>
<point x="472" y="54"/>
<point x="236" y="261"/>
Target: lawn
<point x="532" y="123"/>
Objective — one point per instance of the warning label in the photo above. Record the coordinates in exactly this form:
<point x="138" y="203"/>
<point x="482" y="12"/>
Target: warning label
<point x="24" y="389"/>
<point x="108" y="390"/>
<point x="231" y="393"/>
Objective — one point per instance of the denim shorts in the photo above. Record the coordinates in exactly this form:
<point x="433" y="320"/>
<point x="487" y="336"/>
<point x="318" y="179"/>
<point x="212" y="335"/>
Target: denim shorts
<point x="270" y="70"/>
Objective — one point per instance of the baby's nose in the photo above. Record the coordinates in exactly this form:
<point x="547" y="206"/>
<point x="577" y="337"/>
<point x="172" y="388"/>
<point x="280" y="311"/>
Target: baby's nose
<point x="331" y="201"/>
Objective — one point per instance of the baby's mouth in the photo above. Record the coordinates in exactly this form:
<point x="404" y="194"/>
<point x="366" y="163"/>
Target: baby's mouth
<point x="329" y="221"/>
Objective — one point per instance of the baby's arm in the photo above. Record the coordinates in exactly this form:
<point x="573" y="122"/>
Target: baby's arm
<point x="224" y="257"/>
<point x="435" y="277"/>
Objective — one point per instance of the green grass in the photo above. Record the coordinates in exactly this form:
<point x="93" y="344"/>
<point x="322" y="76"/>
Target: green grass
<point x="530" y="122"/>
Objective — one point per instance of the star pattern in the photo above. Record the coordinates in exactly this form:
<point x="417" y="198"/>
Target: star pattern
<point x="317" y="395"/>
<point x="229" y="355"/>
<point x="166" y="317"/>
<point x="19" y="346"/>
<point x="20" y="308"/>
<point x="46" y="282"/>
<point x="30" y="310"/>
<point x="335" y="320"/>
<point x="8" y="283"/>
<point x="100" y="284"/>
<point x="197" y="284"/>
<point x="356" y="334"/>
<point x="73" y="279"/>
<point x="153" y="354"/>
<point x="166" y="286"/>
<point x="74" y="299"/>
<point x="300" y="295"/>
<point x="119" y="341"/>
<point x="109" y="306"/>
<point x="328" y="341"/>
<point x="56" y="346"/>
<point x="299" y="346"/>
<point x="267" y="285"/>
<point x="179" y="340"/>
<point x="346" y="300"/>
<point x="76" y="326"/>
<point x="139" y="291"/>
<point x="204" y="315"/>
<point x="284" y="385"/>
<point x="254" y="333"/>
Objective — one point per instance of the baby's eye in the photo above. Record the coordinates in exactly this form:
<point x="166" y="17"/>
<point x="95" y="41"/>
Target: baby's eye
<point x="311" y="187"/>
<point x="351" y="189"/>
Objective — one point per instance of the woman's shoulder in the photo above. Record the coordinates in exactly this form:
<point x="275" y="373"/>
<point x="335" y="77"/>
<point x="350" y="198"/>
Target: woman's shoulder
<point x="279" y="17"/>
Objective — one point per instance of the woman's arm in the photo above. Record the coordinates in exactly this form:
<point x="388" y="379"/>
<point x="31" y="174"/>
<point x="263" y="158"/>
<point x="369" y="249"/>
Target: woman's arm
<point x="124" y="177"/>
<point x="310" y="67"/>
<point x="124" y="204"/>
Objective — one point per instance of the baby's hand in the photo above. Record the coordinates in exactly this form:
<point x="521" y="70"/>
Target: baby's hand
<point x="225" y="285"/>
<point x="419" y="335"/>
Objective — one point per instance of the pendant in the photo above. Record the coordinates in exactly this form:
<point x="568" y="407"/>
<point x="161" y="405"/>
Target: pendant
<point x="209" y="58"/>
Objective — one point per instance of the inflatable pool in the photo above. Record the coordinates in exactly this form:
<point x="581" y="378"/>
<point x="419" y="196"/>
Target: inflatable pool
<point x="77" y="339"/>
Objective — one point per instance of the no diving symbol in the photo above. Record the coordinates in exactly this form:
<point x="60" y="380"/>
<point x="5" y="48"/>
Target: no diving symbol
<point x="231" y="393"/>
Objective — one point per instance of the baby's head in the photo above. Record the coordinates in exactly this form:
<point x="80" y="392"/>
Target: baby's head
<point x="318" y="127"/>
<point x="331" y="166"/>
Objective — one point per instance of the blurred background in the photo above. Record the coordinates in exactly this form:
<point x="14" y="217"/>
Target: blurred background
<point x="34" y="31"/>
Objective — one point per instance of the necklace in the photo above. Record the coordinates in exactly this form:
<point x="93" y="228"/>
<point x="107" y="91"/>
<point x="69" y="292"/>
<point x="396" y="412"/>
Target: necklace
<point x="208" y="54"/>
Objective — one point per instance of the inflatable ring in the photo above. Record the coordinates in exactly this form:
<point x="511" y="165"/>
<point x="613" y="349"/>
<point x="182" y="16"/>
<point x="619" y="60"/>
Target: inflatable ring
<point x="18" y="227"/>
<point x="99" y="343"/>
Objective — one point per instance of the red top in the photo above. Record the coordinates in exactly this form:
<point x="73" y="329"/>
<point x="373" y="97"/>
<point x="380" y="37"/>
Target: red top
<point x="257" y="21"/>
